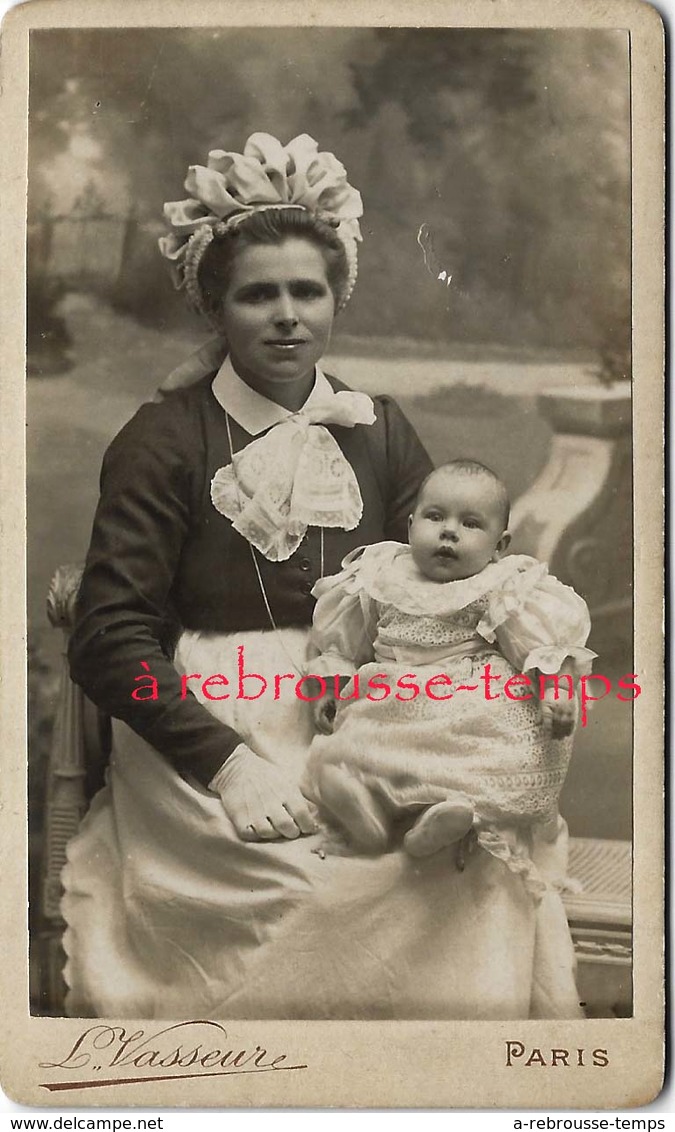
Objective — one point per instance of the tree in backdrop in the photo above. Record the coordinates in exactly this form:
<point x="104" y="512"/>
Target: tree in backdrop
<point x="510" y="146"/>
<point x="521" y="155"/>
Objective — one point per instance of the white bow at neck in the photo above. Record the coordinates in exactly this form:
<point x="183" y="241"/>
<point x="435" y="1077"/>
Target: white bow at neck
<point x="295" y="475"/>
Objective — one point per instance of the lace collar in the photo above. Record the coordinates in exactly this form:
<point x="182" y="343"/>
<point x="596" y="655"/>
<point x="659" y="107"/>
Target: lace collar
<point x="255" y="413"/>
<point x="388" y="574"/>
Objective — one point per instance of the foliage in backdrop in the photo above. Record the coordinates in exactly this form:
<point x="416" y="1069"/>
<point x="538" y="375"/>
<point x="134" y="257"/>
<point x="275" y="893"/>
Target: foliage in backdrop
<point x="510" y="146"/>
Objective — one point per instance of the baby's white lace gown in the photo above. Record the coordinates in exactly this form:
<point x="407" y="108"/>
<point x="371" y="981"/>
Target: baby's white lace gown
<point x="440" y="708"/>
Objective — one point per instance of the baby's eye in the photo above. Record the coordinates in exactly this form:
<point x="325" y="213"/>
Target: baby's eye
<point x="473" y="524"/>
<point x="435" y="516"/>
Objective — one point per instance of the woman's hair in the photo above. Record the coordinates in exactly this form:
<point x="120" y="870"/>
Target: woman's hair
<point x="271" y="226"/>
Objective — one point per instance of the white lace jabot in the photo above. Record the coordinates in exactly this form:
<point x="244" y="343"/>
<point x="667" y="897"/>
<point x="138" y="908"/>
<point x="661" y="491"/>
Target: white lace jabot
<point x="295" y="474"/>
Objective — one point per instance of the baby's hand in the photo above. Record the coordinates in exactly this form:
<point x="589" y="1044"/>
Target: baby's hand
<point x="324" y="714"/>
<point x="558" y="716"/>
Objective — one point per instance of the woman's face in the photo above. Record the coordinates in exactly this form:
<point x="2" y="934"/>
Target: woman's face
<point x="277" y="316"/>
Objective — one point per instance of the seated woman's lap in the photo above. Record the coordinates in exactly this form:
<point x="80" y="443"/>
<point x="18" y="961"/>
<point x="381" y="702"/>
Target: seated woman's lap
<point x="203" y="921"/>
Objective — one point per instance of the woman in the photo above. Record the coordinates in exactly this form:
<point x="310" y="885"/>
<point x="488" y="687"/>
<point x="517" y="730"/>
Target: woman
<point x="195" y="886"/>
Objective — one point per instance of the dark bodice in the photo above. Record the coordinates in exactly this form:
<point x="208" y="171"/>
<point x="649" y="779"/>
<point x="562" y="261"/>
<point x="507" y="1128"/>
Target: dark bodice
<point x="162" y="557"/>
<point x="216" y="586"/>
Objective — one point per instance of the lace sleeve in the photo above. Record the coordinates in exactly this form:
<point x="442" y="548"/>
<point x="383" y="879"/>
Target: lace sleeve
<point x="540" y="623"/>
<point x="344" y="624"/>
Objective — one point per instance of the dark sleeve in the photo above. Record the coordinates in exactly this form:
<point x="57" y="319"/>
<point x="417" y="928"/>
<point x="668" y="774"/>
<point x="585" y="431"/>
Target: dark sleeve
<point x="407" y="466"/>
<point x="140" y="525"/>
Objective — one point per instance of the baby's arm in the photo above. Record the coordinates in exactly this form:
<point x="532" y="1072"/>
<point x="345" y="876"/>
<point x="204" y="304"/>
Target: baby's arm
<point x="341" y="640"/>
<point x="559" y="708"/>
<point x="546" y="633"/>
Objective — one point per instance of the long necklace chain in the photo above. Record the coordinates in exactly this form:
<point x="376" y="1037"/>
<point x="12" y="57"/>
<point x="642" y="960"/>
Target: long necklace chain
<point x="254" y="557"/>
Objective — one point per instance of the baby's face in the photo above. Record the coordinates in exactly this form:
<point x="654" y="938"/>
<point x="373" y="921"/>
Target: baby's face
<point x="457" y="526"/>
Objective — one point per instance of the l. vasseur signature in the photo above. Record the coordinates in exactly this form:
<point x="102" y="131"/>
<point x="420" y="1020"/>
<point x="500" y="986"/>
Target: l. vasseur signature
<point x="201" y="1046"/>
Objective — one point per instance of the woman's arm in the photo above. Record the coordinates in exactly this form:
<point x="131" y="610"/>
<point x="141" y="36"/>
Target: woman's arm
<point x="140" y="526"/>
<point x="406" y="465"/>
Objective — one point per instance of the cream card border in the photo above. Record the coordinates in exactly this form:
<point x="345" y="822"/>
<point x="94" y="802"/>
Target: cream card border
<point x="403" y="1064"/>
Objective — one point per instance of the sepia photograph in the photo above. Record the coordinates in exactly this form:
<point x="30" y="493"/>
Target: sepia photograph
<point x="330" y="561"/>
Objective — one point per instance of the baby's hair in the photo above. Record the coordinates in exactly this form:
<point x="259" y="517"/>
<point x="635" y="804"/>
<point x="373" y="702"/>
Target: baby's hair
<point x="474" y="468"/>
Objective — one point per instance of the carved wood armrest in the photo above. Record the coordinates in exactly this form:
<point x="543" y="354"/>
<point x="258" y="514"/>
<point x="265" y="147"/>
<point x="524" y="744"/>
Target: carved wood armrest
<point x="65" y="796"/>
<point x="62" y="596"/>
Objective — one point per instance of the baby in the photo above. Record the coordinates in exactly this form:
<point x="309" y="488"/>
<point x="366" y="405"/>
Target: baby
<point x="440" y="614"/>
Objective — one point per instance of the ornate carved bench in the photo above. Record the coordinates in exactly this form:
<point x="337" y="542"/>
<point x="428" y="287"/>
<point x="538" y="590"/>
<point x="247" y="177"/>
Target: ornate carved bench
<point x="600" y="919"/>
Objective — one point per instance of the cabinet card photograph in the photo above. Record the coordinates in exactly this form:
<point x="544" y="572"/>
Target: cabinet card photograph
<point x="333" y="413"/>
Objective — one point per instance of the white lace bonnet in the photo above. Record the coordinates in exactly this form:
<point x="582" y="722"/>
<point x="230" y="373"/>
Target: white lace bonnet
<point x="232" y="186"/>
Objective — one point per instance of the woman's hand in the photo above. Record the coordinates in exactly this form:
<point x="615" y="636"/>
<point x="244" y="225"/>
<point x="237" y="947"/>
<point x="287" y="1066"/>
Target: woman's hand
<point x="260" y="800"/>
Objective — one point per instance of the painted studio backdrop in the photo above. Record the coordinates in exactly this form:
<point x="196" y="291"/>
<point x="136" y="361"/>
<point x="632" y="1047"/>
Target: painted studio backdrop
<point x="493" y="302"/>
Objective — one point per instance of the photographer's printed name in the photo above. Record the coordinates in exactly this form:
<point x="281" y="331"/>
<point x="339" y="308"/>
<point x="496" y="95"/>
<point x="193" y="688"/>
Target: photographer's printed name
<point x="104" y="1055"/>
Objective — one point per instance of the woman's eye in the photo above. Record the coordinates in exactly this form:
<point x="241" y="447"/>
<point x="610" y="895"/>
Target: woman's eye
<point x="308" y="291"/>
<point x="255" y="295"/>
